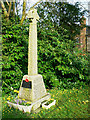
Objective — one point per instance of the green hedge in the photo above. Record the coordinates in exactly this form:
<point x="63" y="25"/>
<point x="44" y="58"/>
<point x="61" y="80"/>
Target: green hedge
<point x="14" y="53"/>
<point x="61" y="64"/>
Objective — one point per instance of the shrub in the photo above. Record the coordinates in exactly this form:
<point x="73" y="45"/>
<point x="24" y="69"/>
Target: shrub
<point x="14" y="53"/>
<point x="59" y="61"/>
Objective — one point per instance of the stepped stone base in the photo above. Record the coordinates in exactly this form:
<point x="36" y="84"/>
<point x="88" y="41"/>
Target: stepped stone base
<point x="33" y="90"/>
<point x="39" y="102"/>
<point x="34" y="107"/>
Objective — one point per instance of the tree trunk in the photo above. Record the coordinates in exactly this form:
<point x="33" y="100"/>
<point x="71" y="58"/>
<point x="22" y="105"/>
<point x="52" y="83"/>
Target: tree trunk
<point x="9" y="10"/>
<point x="13" y="8"/>
<point x="4" y="9"/>
<point x="24" y="8"/>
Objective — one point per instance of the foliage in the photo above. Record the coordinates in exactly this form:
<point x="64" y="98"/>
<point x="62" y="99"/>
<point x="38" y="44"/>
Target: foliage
<point x="14" y="53"/>
<point x="59" y="61"/>
<point x="69" y="104"/>
<point x="61" y="14"/>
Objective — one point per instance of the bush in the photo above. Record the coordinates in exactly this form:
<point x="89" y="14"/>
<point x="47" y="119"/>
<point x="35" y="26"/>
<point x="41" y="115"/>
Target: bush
<point x="59" y="61"/>
<point x="14" y="53"/>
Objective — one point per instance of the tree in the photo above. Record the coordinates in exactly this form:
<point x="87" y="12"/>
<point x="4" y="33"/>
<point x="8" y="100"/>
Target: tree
<point x="58" y="62"/>
<point x="61" y="14"/>
<point x="9" y="9"/>
<point x="6" y="13"/>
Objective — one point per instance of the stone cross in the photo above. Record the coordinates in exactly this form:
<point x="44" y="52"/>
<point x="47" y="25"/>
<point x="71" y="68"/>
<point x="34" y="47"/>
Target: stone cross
<point x="32" y="86"/>
<point x="32" y="48"/>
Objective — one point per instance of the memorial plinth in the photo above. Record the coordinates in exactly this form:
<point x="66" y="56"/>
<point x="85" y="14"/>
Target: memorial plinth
<point x="32" y="90"/>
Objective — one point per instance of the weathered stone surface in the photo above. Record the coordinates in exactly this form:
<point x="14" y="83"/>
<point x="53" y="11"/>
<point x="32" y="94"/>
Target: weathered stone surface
<point x="37" y="90"/>
<point x="25" y="93"/>
<point x="32" y="87"/>
<point x="34" y="105"/>
<point x="32" y="48"/>
<point x="33" y="14"/>
<point x="39" y="102"/>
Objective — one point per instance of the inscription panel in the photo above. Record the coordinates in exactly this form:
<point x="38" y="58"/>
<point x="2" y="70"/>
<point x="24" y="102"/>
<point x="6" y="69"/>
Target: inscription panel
<point x="27" y="84"/>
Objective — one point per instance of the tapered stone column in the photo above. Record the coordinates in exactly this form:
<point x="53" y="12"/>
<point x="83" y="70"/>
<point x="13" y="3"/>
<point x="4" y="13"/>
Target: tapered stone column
<point x="32" y="48"/>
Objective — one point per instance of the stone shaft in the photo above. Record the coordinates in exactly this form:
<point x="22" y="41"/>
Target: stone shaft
<point x="32" y="48"/>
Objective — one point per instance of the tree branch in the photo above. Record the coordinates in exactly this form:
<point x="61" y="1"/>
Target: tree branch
<point x="24" y="7"/>
<point x="13" y="8"/>
<point x="9" y="9"/>
<point x="4" y="9"/>
<point x="23" y="17"/>
<point x="7" y="2"/>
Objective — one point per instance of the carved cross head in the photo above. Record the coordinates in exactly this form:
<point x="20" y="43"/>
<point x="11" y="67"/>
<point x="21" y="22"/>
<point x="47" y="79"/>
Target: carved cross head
<point x="32" y="14"/>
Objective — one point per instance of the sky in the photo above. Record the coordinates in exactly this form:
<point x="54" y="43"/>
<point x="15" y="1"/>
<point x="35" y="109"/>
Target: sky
<point x="84" y="2"/>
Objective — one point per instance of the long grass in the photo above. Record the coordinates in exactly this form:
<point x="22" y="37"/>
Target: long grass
<point x="70" y="103"/>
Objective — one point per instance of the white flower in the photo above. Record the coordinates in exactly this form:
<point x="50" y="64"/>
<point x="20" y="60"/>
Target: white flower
<point x="86" y="101"/>
<point x="11" y="88"/>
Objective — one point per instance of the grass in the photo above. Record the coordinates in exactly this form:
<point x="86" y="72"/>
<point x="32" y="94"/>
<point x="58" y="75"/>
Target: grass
<point x="70" y="103"/>
<point x="47" y="103"/>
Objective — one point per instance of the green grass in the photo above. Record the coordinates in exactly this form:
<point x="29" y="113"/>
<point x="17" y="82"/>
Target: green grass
<point x="69" y="104"/>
